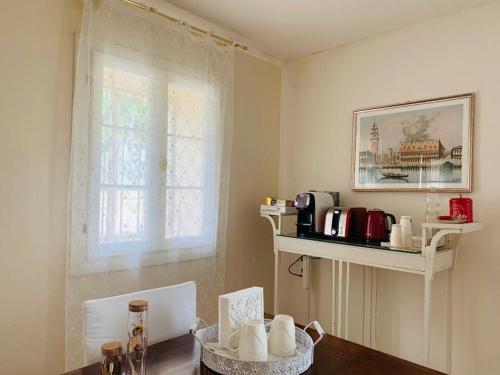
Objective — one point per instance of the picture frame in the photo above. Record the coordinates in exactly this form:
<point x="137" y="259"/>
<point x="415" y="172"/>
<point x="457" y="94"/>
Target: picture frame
<point x="415" y="146"/>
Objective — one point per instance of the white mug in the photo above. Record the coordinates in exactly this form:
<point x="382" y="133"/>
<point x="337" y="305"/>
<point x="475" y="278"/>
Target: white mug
<point x="396" y="236"/>
<point x="282" y="336"/>
<point x="252" y="341"/>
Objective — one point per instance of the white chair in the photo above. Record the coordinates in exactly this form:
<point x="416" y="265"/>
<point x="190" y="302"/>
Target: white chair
<point x="171" y="312"/>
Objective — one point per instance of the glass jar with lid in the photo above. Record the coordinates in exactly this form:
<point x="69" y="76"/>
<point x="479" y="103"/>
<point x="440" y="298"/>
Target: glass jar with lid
<point x="137" y="337"/>
<point x="111" y="363"/>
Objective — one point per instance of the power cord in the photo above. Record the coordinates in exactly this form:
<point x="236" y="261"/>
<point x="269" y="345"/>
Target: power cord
<point x="299" y="259"/>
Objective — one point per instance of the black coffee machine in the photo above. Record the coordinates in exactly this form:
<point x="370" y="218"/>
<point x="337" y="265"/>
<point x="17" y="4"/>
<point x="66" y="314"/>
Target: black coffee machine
<point x="311" y="211"/>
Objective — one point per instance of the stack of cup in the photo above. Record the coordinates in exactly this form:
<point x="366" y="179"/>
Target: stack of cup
<point x="251" y="340"/>
<point x="396" y="236"/>
<point x="406" y="230"/>
<point x="282" y="336"/>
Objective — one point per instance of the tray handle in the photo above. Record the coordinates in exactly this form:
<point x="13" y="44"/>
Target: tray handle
<point x="195" y="327"/>
<point x="318" y="328"/>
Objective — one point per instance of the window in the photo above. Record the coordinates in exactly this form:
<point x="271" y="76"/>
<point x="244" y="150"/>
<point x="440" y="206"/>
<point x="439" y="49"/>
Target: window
<point x="151" y="167"/>
<point x="185" y="148"/>
<point x="124" y="130"/>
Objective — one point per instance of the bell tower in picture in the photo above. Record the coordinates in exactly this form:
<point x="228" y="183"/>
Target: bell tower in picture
<point x="374" y="138"/>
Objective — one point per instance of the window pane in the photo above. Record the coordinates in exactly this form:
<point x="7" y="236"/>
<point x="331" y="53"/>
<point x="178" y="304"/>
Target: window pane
<point x="132" y="110"/>
<point x="185" y="162"/>
<point x="184" y="213"/>
<point x="131" y="157"/>
<point x="185" y="109"/>
<point x="124" y="146"/>
<point x="107" y="107"/>
<point x="122" y="216"/>
<point x="129" y="222"/>
<point x="107" y="147"/>
<point x="123" y="157"/>
<point x="105" y="219"/>
<point x="119" y="80"/>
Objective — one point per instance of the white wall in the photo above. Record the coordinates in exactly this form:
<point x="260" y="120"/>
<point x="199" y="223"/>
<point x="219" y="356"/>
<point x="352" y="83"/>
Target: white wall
<point x="451" y="55"/>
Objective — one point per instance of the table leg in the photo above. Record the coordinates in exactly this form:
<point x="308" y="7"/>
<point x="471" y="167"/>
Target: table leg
<point x="427" y="308"/>
<point x="339" y="299"/>
<point x="373" y="307"/>
<point x="367" y="288"/>
<point x="276" y="280"/>
<point x="306" y="284"/>
<point x="333" y="297"/>
<point x="347" y="285"/>
<point x="450" y="320"/>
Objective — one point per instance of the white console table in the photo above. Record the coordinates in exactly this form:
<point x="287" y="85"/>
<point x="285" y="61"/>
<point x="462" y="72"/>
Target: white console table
<point x="342" y="254"/>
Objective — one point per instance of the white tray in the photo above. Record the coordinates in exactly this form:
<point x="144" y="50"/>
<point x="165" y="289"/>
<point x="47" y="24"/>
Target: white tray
<point x="227" y="362"/>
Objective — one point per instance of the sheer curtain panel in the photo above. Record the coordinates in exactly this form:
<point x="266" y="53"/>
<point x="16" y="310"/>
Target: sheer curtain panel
<point x="151" y="147"/>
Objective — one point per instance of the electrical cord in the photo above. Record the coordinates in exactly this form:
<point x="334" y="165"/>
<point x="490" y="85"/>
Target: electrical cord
<point x="299" y="259"/>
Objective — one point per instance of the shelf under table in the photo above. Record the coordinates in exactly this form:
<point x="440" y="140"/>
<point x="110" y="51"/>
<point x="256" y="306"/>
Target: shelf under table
<point x="363" y="253"/>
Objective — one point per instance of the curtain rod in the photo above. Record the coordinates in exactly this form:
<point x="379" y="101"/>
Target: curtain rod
<point x="195" y="29"/>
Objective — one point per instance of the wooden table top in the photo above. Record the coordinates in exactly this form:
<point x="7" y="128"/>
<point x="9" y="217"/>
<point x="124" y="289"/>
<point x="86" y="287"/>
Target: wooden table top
<point x="332" y="356"/>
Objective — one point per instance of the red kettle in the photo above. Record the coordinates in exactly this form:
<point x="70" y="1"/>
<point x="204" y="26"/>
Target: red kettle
<point x="378" y="225"/>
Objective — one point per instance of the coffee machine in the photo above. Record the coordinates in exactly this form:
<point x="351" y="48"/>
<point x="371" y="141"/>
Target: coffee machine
<point x="311" y="211"/>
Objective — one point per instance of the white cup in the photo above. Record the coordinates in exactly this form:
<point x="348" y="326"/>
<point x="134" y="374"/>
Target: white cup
<point x="252" y="341"/>
<point x="396" y="236"/>
<point x="282" y="336"/>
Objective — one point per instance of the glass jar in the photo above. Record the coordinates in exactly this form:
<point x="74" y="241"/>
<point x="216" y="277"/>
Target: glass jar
<point x="111" y="363"/>
<point x="433" y="203"/>
<point x="137" y="337"/>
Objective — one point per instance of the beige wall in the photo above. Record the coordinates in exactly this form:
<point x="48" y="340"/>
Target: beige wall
<point x="446" y="56"/>
<point x="254" y="174"/>
<point x="36" y="66"/>
<point x="36" y="47"/>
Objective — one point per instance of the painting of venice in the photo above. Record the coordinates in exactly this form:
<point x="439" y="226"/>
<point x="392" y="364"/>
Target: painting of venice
<point x="414" y="146"/>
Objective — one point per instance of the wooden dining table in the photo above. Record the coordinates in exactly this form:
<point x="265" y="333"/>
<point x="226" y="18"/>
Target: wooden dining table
<point x="332" y="356"/>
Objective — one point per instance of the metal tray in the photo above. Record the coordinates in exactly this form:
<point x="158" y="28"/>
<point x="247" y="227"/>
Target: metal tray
<point x="227" y="362"/>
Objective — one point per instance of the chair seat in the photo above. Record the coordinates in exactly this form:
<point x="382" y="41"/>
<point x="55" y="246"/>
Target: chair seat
<point x="171" y="312"/>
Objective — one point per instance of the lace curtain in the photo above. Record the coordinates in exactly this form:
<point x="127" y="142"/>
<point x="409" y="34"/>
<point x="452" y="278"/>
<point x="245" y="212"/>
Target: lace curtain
<point x="151" y="145"/>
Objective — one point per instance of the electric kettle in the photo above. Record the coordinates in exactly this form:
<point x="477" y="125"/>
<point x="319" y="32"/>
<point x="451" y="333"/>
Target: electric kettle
<point x="378" y="225"/>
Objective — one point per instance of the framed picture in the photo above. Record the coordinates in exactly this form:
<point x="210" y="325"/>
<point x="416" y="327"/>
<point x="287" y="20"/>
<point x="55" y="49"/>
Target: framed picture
<point x="415" y="146"/>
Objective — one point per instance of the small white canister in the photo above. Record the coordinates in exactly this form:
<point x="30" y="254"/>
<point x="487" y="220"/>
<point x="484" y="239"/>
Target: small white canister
<point x="406" y="230"/>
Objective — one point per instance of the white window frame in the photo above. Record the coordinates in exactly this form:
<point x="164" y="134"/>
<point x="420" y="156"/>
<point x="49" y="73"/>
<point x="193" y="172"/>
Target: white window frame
<point x="146" y="252"/>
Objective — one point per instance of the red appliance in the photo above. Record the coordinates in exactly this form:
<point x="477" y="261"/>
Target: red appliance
<point x="378" y="225"/>
<point x="461" y="208"/>
<point x="345" y="222"/>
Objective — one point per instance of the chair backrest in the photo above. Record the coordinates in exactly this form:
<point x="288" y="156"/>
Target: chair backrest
<point x="171" y="312"/>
